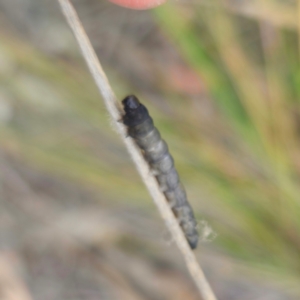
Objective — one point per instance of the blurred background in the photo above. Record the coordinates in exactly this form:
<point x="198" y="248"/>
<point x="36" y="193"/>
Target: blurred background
<point x="222" y="81"/>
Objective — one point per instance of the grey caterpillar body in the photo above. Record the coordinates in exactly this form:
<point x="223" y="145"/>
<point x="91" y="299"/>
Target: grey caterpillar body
<point x="155" y="150"/>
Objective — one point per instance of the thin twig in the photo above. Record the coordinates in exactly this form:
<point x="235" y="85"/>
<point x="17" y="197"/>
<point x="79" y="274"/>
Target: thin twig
<point x="115" y="112"/>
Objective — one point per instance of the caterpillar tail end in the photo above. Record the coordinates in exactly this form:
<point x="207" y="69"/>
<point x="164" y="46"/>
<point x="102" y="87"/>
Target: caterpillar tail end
<point x="193" y="241"/>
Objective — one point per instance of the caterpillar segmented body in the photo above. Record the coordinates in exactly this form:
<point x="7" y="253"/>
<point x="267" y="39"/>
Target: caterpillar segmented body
<point x="155" y="150"/>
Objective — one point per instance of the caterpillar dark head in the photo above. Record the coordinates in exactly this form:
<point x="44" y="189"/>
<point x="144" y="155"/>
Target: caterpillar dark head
<point x="135" y="112"/>
<point x="131" y="103"/>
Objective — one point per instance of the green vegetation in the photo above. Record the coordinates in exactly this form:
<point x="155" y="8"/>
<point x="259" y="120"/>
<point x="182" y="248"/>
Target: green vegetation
<point x="257" y="93"/>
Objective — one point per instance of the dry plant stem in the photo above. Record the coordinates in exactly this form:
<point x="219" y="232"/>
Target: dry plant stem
<point x="115" y="112"/>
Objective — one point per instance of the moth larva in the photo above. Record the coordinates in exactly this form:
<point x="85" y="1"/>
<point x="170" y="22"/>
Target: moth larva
<point x="155" y="150"/>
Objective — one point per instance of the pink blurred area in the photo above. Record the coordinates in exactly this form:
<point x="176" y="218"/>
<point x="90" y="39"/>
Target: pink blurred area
<point x="138" y="4"/>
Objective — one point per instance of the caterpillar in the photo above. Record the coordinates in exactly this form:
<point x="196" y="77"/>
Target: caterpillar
<point x="155" y="150"/>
